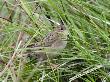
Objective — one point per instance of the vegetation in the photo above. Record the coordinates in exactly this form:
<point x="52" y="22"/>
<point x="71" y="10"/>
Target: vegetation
<point x="86" y="57"/>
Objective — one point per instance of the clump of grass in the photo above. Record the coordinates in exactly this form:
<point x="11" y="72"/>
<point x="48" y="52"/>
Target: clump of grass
<point x="87" y="55"/>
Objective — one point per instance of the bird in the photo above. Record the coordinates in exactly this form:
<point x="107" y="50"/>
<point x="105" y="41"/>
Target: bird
<point x="54" y="41"/>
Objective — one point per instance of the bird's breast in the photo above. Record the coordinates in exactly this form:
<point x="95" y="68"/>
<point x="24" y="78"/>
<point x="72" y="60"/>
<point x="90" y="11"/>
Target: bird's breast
<point x="59" y="44"/>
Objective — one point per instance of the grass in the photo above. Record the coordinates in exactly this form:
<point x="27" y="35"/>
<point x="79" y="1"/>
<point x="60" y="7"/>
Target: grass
<point x="86" y="57"/>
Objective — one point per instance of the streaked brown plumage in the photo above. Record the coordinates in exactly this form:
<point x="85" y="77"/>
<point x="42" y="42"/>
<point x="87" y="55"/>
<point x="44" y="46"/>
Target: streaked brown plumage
<point x="54" y="41"/>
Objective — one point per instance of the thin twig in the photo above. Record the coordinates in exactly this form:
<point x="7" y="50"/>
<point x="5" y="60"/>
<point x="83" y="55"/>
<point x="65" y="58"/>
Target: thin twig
<point x="10" y="61"/>
<point x="5" y="19"/>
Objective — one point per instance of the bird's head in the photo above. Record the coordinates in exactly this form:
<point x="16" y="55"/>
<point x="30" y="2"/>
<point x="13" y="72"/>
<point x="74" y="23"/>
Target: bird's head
<point x="62" y="29"/>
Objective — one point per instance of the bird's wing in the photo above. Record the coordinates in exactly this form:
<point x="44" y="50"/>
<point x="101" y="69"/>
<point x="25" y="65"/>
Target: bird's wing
<point x="38" y="44"/>
<point x="50" y="39"/>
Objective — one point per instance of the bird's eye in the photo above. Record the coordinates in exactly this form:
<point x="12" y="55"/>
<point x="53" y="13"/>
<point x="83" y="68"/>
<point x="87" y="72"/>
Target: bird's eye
<point x="61" y="28"/>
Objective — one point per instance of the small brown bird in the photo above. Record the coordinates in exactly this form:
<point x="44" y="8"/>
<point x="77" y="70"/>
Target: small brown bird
<point x="53" y="42"/>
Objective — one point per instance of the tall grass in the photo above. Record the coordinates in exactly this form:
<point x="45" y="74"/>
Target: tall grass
<point x="86" y="56"/>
